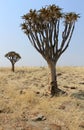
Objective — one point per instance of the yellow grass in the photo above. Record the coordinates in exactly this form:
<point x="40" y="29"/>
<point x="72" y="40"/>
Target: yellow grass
<point x="24" y="92"/>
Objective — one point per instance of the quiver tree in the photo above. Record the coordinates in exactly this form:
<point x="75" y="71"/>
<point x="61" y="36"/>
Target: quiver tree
<point x="43" y="29"/>
<point x="13" y="57"/>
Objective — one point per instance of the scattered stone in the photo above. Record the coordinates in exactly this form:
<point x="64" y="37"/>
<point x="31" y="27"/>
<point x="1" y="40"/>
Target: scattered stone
<point x="81" y="83"/>
<point x="6" y="110"/>
<point x="59" y="74"/>
<point x="66" y="86"/>
<point x="37" y="92"/>
<point x="39" y="117"/>
<point x="69" y="87"/>
<point x="62" y="107"/>
<point x="22" y="91"/>
<point x="81" y="125"/>
<point x="42" y="86"/>
<point x="1" y="111"/>
<point x="24" y="117"/>
<point x="46" y="94"/>
<point x="66" y="105"/>
<point x="72" y="87"/>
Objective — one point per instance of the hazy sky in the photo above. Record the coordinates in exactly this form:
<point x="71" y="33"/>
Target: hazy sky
<point x="12" y="37"/>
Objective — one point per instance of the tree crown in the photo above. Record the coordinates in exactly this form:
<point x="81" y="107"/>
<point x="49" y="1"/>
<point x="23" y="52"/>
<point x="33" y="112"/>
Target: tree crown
<point x="43" y="26"/>
<point x="37" y="20"/>
<point x="13" y="56"/>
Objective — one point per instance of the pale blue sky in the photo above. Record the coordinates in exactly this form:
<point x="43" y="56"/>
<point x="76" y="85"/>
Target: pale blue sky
<point x="12" y="37"/>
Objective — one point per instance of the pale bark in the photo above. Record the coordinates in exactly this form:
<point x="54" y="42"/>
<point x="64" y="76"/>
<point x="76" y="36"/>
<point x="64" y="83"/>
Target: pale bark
<point x="54" y="86"/>
<point x="52" y="71"/>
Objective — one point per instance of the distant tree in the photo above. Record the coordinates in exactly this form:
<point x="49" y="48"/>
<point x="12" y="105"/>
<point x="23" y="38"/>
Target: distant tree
<point x="13" y="57"/>
<point x="43" y="28"/>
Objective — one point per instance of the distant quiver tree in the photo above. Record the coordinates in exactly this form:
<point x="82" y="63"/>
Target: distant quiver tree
<point x="13" y="57"/>
<point x="45" y="32"/>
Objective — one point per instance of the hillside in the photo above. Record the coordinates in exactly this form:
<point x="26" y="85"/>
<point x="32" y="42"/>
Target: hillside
<point x="26" y="104"/>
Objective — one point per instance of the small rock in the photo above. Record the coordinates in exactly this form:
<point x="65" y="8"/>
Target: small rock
<point x="39" y="118"/>
<point x="42" y="86"/>
<point x="6" y="110"/>
<point x="24" y="117"/>
<point x="72" y="87"/>
<point x="1" y="111"/>
<point x="81" y="83"/>
<point x="62" y="107"/>
<point x="22" y="91"/>
<point x="81" y="125"/>
<point x="59" y="74"/>
<point x="37" y="92"/>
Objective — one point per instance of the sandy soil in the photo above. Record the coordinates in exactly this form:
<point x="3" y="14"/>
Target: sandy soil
<point x="24" y="95"/>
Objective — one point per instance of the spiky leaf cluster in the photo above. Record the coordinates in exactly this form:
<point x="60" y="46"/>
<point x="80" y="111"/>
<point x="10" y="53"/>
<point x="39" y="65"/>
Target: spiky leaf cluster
<point x="39" y="20"/>
<point x="71" y="17"/>
<point x="43" y="26"/>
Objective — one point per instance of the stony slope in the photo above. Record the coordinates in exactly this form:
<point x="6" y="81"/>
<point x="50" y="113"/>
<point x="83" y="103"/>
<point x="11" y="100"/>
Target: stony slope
<point x="25" y="102"/>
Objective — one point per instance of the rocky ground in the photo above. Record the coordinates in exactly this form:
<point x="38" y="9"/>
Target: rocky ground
<point x="26" y="104"/>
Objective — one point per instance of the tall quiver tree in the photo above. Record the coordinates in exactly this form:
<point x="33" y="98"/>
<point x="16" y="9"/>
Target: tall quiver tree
<point x="13" y="57"/>
<point x="43" y="29"/>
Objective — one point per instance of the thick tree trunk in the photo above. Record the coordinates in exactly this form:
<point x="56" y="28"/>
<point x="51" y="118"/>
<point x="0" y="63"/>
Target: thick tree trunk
<point x="54" y="86"/>
<point x="13" y="67"/>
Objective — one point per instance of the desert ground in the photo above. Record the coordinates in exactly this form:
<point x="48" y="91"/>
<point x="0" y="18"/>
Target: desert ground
<point x="26" y="104"/>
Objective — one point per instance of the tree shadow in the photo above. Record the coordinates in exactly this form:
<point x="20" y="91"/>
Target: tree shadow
<point x="78" y="95"/>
